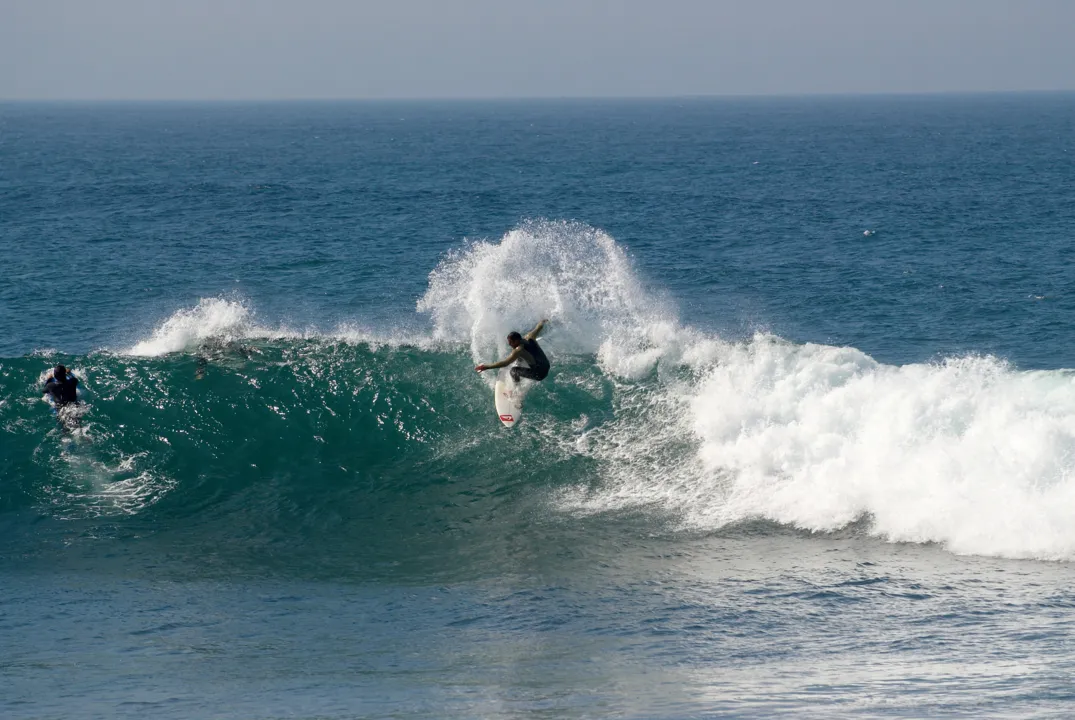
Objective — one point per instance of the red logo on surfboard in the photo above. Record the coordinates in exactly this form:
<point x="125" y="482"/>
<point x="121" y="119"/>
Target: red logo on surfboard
<point x="507" y="418"/>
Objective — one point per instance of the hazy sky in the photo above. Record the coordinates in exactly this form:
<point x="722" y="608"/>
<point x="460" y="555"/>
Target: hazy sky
<point x="267" y="49"/>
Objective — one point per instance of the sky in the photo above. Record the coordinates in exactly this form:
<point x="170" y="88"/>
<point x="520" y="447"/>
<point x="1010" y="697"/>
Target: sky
<point x="296" y="49"/>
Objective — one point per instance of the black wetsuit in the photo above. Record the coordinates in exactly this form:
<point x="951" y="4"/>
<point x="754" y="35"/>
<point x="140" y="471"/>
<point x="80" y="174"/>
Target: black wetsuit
<point x="535" y="357"/>
<point x="63" y="392"/>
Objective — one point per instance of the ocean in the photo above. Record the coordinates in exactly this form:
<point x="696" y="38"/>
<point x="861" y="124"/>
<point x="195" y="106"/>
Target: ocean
<point x="807" y="448"/>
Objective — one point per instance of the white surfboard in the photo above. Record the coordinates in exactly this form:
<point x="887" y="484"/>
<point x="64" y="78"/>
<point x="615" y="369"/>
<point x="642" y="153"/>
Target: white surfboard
<point x="509" y="395"/>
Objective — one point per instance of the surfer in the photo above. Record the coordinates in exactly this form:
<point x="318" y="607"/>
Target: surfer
<point x="524" y="347"/>
<point x="62" y="387"/>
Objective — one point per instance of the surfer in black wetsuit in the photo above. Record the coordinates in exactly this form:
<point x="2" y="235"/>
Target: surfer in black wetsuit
<point x="62" y="387"/>
<point x="524" y="347"/>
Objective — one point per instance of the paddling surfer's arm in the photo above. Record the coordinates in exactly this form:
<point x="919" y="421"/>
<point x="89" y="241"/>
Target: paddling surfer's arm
<point x="536" y="331"/>
<point x="503" y="363"/>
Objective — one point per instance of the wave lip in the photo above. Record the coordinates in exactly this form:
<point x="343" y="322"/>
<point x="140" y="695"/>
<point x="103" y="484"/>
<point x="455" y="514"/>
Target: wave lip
<point x="212" y="319"/>
<point x="221" y="322"/>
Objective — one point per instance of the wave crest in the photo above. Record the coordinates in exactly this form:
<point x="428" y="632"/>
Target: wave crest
<point x="651" y="414"/>
<point x="212" y="319"/>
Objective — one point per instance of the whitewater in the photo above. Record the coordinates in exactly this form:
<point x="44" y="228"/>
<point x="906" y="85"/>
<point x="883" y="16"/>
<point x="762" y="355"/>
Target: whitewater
<point x="707" y="432"/>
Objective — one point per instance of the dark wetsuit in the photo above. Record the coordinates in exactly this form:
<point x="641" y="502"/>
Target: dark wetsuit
<point x="63" y="392"/>
<point x="535" y="357"/>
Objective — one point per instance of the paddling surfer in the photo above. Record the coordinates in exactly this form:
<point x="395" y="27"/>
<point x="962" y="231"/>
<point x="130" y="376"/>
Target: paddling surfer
<point x="62" y="387"/>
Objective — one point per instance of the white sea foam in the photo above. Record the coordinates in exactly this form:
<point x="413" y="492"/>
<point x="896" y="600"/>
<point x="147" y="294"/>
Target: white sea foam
<point x="969" y="452"/>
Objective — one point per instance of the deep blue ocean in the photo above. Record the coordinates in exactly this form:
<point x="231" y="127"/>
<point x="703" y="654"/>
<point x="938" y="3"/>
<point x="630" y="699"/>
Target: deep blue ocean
<point x="807" y="448"/>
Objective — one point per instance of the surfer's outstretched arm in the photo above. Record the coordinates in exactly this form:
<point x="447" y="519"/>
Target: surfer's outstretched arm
<point x="537" y="330"/>
<point x="503" y="363"/>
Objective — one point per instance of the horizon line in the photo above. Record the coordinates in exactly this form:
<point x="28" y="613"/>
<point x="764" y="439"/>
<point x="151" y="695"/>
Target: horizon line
<point x="539" y="98"/>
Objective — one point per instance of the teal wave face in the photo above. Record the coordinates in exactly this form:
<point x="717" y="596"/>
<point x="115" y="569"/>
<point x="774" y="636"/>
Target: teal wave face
<point x="327" y="410"/>
<point x="357" y="456"/>
<point x="284" y="445"/>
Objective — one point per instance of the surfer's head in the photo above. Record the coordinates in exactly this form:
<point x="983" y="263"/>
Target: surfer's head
<point x="514" y="339"/>
<point x="60" y="372"/>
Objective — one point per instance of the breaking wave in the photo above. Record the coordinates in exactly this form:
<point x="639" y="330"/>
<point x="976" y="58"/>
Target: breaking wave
<point x="221" y="420"/>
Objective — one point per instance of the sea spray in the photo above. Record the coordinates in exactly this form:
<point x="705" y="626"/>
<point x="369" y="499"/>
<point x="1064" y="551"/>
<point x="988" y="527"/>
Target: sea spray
<point x="216" y="409"/>
<point x="212" y="320"/>
<point x="573" y="274"/>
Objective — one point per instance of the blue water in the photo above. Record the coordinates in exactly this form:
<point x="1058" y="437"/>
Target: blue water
<point x="808" y="447"/>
